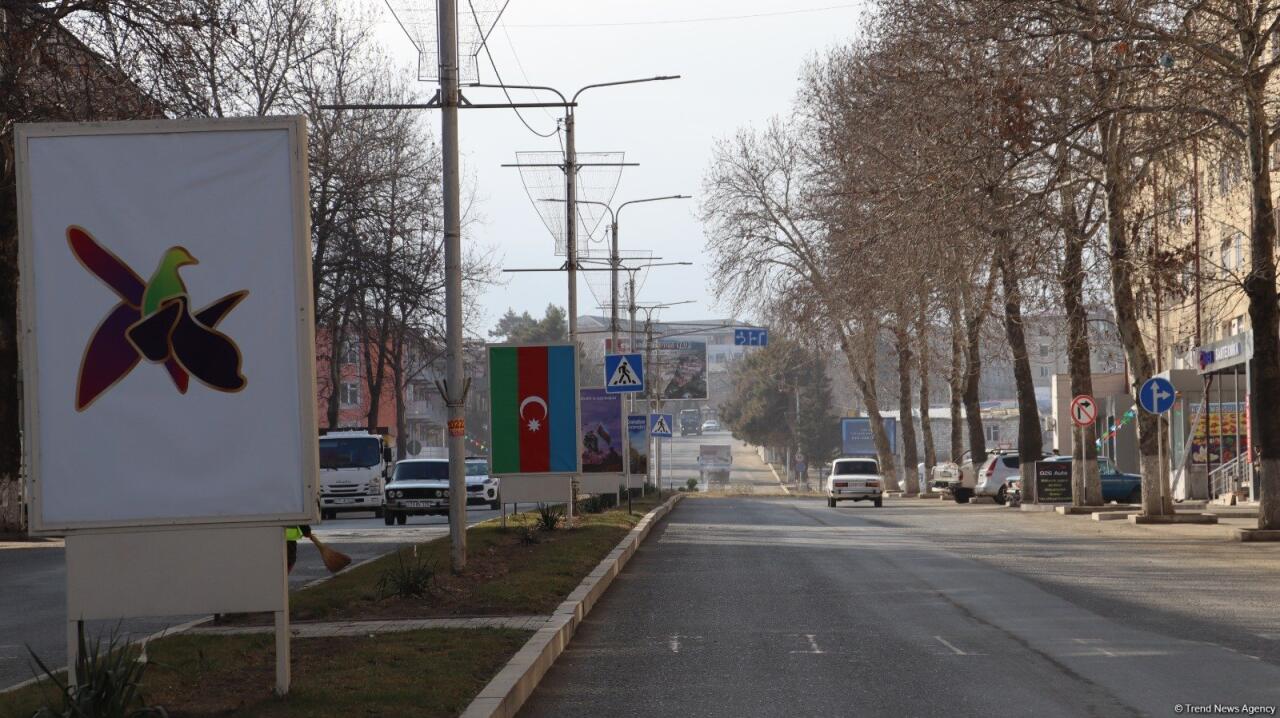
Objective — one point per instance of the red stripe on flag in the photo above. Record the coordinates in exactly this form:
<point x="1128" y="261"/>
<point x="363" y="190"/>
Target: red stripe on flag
<point x="535" y="429"/>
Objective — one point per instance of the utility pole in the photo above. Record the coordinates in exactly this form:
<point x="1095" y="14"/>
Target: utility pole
<point x="455" y="390"/>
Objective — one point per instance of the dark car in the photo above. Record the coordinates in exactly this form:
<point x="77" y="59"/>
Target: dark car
<point x="1116" y="485"/>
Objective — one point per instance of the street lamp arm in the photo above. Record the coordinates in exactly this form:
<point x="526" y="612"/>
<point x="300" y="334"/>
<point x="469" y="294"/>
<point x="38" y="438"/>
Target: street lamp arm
<point x="651" y="199"/>
<point x="528" y="87"/>
<point x="623" y="82"/>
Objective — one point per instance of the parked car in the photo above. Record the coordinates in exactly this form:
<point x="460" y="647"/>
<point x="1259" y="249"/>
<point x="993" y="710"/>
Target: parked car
<point x="855" y="479"/>
<point x="420" y="487"/>
<point x="710" y="425"/>
<point x="1116" y="485"/>
<point x="964" y="481"/>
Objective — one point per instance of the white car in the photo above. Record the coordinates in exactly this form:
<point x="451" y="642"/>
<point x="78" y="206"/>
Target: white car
<point x="991" y="479"/>
<point x="420" y="487"/>
<point x="710" y="425"/>
<point x="855" y="479"/>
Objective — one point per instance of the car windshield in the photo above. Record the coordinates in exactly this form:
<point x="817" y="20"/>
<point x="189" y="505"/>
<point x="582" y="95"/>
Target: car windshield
<point x="422" y="471"/>
<point x="847" y="468"/>
<point x="349" y="453"/>
<point x="477" y="468"/>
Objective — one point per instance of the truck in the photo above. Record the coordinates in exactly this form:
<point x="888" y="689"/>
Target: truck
<point x="714" y="462"/>
<point x="354" y="467"/>
<point x="690" y="422"/>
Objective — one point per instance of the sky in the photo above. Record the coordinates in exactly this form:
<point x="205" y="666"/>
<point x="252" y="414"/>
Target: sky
<point x="734" y="73"/>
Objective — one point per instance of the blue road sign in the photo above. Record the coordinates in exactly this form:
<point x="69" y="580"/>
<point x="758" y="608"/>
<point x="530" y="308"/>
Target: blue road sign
<point x="660" y="425"/>
<point x="623" y="373"/>
<point x="1157" y="395"/>
<point x="751" y="337"/>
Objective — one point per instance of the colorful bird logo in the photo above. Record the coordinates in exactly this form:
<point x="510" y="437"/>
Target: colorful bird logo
<point x="153" y="320"/>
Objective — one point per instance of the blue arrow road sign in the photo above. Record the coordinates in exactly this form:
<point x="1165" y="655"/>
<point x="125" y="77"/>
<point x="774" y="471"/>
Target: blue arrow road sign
<point x="660" y="425"/>
<point x="751" y="337"/>
<point x="1157" y="395"/>
<point x="623" y="373"/>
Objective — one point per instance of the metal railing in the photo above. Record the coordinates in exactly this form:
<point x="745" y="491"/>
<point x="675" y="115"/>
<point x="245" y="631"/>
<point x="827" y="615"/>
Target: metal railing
<point x="1229" y="477"/>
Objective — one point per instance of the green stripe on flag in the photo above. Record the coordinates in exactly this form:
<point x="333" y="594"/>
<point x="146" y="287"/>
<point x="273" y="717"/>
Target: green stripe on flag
<point x="504" y="453"/>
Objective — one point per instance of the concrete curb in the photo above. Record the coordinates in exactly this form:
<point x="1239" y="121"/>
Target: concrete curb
<point x="776" y="477"/>
<point x="507" y="692"/>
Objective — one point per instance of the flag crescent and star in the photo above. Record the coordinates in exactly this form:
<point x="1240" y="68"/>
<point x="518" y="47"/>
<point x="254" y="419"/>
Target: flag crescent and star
<point x="534" y="409"/>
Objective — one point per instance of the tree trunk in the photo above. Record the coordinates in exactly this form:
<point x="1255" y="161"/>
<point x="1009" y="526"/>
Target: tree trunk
<point x="12" y="518"/>
<point x="926" y="423"/>
<point x="910" y="475"/>
<point x="1126" y="309"/>
<point x="1086" y="486"/>
<point x="956" y="381"/>
<point x="336" y="355"/>
<point x="1030" y="439"/>
<point x="863" y="370"/>
<point x="1264" y="312"/>
<point x="973" y="373"/>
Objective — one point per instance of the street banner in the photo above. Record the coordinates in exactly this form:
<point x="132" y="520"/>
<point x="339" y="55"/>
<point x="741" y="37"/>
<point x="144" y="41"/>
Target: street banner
<point x="601" y="431"/>
<point x="856" y="439"/>
<point x="679" y="368"/>
<point x="638" y="438"/>
<point x="533" y="404"/>
<point x="166" y="324"/>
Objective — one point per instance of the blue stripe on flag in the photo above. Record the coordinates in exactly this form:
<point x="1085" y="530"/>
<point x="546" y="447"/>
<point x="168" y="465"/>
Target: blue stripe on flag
<point x="562" y="398"/>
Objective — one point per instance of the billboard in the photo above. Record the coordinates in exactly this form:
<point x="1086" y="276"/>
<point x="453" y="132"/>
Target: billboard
<point x="638" y="440"/>
<point x="601" y="432"/>
<point x="856" y="439"/>
<point x="166" y="328"/>
<point x="679" y="369"/>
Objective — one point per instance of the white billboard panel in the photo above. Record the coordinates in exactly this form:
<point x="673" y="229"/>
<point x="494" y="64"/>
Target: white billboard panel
<point x="167" y="336"/>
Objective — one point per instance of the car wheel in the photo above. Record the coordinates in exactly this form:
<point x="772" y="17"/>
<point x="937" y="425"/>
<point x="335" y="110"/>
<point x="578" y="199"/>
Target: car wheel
<point x="879" y="503"/>
<point x="1002" y="496"/>
<point x="402" y="519"/>
<point x="495" y="505"/>
<point x="388" y="518"/>
<point x="831" y="503"/>
<point x="1135" y="496"/>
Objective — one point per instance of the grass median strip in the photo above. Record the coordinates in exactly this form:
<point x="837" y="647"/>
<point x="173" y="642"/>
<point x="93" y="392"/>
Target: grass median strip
<point x="420" y="673"/>
<point x="505" y="576"/>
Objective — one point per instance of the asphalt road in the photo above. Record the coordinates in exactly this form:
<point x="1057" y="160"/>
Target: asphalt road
<point x="33" y="591"/>
<point x="784" y="607"/>
<point x="749" y="475"/>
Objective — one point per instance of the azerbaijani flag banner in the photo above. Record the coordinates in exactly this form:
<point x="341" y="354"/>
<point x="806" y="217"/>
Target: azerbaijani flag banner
<point x="533" y="404"/>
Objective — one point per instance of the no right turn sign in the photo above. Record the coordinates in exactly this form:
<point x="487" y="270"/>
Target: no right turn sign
<point x="1084" y="410"/>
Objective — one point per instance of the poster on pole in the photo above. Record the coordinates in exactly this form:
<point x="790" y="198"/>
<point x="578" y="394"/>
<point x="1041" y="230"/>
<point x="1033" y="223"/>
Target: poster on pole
<point x="856" y="438"/>
<point x="679" y="365"/>
<point x="638" y="440"/>
<point x="602" y="438"/>
<point x="166" y="332"/>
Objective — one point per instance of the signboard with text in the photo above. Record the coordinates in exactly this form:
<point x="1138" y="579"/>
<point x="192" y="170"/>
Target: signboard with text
<point x="1053" y="482"/>
<point x="856" y="438"/>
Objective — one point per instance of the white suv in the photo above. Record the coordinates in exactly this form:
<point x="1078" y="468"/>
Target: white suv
<point x="991" y="479"/>
<point x="855" y="479"/>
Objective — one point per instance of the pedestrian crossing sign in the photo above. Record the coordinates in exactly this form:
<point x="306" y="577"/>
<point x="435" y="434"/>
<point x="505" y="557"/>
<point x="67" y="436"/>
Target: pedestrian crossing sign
<point x="623" y="373"/>
<point x="660" y="425"/>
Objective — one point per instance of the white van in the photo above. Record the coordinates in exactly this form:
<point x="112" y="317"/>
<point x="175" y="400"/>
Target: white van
<point x="855" y="479"/>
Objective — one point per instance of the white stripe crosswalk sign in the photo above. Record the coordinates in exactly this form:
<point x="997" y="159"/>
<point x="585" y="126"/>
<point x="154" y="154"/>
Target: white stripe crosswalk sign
<point x="623" y="373"/>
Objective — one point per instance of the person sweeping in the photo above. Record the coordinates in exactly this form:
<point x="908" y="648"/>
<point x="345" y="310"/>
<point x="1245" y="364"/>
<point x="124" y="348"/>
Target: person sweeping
<point x="335" y="561"/>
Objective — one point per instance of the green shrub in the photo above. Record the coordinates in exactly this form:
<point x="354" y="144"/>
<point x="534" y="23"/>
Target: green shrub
<point x="407" y="579"/>
<point x="108" y="683"/>
<point x="549" y="516"/>
<point x="691" y="485"/>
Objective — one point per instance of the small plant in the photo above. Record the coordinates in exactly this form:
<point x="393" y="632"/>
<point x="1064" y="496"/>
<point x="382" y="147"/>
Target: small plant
<point x="407" y="579"/>
<point x="108" y="680"/>
<point x="549" y="516"/>
<point x="527" y="531"/>
<point x="691" y="485"/>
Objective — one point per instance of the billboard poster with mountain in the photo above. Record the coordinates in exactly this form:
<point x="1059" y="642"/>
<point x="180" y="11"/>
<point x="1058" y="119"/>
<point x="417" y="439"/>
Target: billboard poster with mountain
<point x="601" y="432"/>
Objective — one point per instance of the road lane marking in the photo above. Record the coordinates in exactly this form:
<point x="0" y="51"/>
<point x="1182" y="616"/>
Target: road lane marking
<point x="1099" y="649"/>
<point x="674" y="642"/>
<point x="813" y="645"/>
<point x="948" y="644"/>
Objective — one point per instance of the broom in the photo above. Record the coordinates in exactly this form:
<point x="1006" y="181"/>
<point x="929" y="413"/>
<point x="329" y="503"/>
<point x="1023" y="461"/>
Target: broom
<point x="335" y="561"/>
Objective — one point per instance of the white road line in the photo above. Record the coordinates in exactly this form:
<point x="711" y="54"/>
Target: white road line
<point x="813" y="645"/>
<point x="674" y="642"/>
<point x="1099" y="649"/>
<point x="948" y="644"/>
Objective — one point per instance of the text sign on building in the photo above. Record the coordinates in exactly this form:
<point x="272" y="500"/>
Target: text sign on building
<point x="166" y="325"/>
<point x="751" y="337"/>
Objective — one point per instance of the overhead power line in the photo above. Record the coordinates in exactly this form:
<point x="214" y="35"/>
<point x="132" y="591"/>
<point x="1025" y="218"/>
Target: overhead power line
<point x="690" y="20"/>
